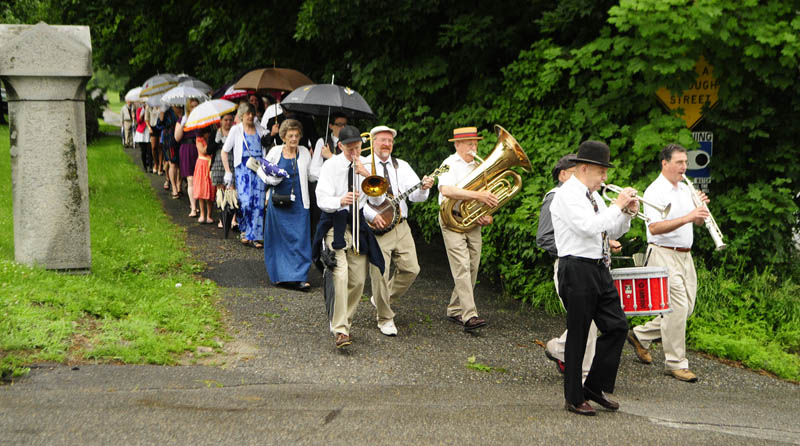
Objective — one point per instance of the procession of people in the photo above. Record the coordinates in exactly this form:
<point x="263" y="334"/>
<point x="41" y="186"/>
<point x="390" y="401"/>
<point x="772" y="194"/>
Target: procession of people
<point x="347" y="213"/>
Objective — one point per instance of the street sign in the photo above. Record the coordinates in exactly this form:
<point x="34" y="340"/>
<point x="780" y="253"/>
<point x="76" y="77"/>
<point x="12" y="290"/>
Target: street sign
<point x="699" y="160"/>
<point x="702" y="92"/>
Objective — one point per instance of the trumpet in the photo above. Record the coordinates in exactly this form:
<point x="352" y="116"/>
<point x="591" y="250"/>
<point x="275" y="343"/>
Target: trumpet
<point x="711" y="224"/>
<point x="613" y="188"/>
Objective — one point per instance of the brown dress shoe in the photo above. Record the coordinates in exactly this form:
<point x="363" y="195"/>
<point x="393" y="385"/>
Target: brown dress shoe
<point x="641" y="352"/>
<point x="456" y="319"/>
<point x="685" y="375"/>
<point x="342" y="340"/>
<point x="473" y="323"/>
<point x="600" y="398"/>
<point x="581" y="409"/>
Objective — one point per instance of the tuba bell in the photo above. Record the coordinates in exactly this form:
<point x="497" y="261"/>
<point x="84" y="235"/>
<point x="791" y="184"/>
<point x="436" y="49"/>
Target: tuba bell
<point x="493" y="175"/>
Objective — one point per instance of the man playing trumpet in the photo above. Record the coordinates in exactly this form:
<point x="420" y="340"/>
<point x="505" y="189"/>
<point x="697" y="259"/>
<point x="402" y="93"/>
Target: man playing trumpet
<point x="583" y="226"/>
<point x="669" y="244"/>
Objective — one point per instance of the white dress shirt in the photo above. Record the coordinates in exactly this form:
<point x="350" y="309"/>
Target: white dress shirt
<point x="303" y="167"/>
<point x="332" y="184"/>
<point x="236" y="139"/>
<point x="459" y="169"/>
<point x="578" y="228"/>
<point x="402" y="179"/>
<point x="316" y="159"/>
<point x="661" y="192"/>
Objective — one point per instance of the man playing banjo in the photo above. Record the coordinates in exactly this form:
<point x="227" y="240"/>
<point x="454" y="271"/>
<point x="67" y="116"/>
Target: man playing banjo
<point x="388" y="220"/>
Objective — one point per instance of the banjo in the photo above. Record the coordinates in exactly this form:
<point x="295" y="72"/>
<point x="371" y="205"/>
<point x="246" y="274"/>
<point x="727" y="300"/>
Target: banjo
<point x="389" y="208"/>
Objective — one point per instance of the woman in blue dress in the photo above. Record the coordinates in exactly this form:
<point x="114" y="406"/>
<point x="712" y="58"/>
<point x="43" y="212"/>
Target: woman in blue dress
<point x="287" y="234"/>
<point x="244" y="140"/>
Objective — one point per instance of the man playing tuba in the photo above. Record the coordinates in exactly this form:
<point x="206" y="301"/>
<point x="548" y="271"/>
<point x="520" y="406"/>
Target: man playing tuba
<point x="464" y="248"/>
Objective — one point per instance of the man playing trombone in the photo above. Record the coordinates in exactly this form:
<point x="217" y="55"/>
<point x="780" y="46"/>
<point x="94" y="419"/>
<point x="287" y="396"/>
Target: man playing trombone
<point x="338" y="192"/>
<point x="397" y="244"/>
<point x="669" y="245"/>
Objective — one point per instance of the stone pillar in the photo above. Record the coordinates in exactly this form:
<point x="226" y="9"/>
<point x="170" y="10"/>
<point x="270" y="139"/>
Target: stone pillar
<point x="45" y="70"/>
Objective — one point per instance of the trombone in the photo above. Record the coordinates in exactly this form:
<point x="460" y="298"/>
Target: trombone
<point x="613" y="188"/>
<point x="373" y="186"/>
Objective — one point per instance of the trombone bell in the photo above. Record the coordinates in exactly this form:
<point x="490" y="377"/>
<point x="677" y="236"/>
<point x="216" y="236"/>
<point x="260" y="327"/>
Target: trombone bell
<point x="373" y="185"/>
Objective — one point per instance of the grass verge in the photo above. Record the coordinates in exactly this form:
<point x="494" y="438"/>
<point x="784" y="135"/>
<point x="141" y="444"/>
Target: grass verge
<point x="141" y="303"/>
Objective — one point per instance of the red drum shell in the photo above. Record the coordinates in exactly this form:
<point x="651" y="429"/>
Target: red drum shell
<point x="643" y="290"/>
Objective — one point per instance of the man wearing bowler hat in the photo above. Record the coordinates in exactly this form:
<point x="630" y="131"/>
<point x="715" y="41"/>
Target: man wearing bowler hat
<point x="464" y="249"/>
<point x="583" y="226"/>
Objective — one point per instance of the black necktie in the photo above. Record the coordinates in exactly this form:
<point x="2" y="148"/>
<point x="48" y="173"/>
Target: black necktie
<point x="386" y="175"/>
<point x="350" y="178"/>
<point x="606" y="247"/>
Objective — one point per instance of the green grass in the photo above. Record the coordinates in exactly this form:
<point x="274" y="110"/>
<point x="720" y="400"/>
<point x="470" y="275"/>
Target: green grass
<point x="130" y="308"/>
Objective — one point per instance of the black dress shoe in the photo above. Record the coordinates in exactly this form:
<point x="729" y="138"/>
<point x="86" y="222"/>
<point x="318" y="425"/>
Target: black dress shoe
<point x="473" y="323"/>
<point x="581" y="409"/>
<point x="600" y="398"/>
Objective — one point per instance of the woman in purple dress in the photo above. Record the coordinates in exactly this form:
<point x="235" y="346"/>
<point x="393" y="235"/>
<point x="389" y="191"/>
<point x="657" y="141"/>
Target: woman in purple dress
<point x="188" y="154"/>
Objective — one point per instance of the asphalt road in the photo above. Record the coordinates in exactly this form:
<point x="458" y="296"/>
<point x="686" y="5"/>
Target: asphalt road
<point x="279" y="379"/>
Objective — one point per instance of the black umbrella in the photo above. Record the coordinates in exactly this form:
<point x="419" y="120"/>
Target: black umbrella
<point x="228" y="203"/>
<point x="323" y="99"/>
<point x="328" y="259"/>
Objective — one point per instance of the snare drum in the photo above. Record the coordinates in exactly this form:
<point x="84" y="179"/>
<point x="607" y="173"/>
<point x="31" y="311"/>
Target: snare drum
<point x="643" y="291"/>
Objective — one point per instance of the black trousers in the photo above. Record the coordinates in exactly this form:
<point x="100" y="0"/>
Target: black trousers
<point x="589" y="294"/>
<point x="147" y="155"/>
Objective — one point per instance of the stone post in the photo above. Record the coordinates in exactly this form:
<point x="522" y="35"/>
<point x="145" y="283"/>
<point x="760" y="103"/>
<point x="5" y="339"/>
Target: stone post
<point x="45" y="70"/>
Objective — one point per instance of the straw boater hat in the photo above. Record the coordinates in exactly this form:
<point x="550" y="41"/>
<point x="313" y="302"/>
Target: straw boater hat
<point x="465" y="134"/>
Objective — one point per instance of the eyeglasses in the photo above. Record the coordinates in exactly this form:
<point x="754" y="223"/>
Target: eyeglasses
<point x="340" y="124"/>
<point x="385" y="140"/>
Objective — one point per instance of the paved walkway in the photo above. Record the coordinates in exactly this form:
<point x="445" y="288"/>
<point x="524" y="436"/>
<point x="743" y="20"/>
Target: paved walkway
<point x="281" y="381"/>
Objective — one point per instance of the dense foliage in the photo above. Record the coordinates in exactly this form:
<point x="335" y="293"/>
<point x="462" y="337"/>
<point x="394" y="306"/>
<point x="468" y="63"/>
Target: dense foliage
<point x="551" y="72"/>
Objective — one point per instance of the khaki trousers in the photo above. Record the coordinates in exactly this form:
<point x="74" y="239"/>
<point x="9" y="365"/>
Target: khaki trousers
<point x="348" y="281"/>
<point x="557" y="346"/>
<point x="671" y="327"/>
<point x="127" y="135"/>
<point x="398" y="246"/>
<point x="464" y="255"/>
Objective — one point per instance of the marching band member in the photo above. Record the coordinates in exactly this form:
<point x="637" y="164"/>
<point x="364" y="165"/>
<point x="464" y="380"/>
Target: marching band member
<point x="669" y="244"/>
<point x="545" y="239"/>
<point x="464" y="249"/>
<point x="324" y="148"/>
<point x="397" y="244"/>
<point x="336" y="193"/>
<point x="583" y="224"/>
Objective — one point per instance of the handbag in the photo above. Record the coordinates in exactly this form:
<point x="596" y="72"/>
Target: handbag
<point x="283" y="200"/>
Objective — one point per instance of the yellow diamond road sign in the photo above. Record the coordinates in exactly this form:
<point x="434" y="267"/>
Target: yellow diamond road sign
<point x="703" y="92"/>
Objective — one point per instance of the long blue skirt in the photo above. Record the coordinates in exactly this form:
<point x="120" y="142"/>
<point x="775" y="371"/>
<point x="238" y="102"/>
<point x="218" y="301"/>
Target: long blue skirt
<point x="252" y="193"/>
<point x="287" y="237"/>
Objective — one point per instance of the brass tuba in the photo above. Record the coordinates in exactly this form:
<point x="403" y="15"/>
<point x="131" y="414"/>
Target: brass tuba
<point x="493" y="175"/>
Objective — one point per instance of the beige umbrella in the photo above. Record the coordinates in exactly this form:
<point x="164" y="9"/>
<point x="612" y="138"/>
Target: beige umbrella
<point x="265" y="80"/>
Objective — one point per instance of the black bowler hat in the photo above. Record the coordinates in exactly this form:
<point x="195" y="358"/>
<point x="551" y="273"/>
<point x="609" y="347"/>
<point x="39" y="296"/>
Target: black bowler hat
<point x="593" y="152"/>
<point x="564" y="163"/>
<point x="349" y="134"/>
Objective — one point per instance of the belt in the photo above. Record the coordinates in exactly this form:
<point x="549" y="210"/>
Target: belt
<point x="673" y="248"/>
<point x="582" y="259"/>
